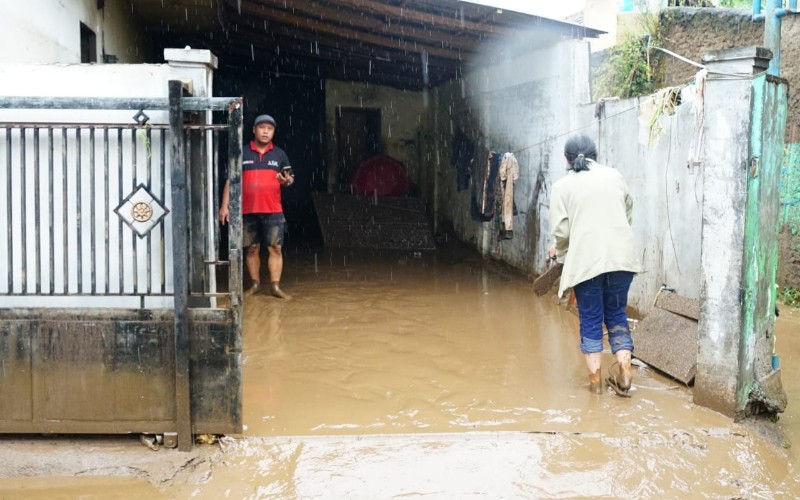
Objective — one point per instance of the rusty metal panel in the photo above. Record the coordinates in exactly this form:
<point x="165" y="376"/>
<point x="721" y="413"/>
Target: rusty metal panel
<point x="112" y="371"/>
<point x="216" y="374"/>
<point x="143" y="371"/>
<point x="99" y="370"/>
<point x="69" y="371"/>
<point x="15" y="370"/>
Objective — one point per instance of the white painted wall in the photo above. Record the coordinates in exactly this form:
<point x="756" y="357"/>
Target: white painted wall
<point x="667" y="189"/>
<point x="76" y="80"/>
<point x="48" y="31"/>
<point x="526" y="105"/>
<point x="530" y="105"/>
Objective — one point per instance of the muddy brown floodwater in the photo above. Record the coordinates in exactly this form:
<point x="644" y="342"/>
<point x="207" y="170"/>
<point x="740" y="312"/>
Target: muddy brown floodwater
<point x="439" y="376"/>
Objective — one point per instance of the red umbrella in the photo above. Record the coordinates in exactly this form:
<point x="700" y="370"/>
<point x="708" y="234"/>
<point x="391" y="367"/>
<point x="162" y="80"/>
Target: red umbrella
<point x="381" y="175"/>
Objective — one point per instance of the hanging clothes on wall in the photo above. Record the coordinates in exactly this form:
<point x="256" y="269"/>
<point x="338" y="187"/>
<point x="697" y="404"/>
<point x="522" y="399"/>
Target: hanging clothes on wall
<point x="463" y="159"/>
<point x="509" y="173"/>
<point x="483" y="197"/>
<point x="489" y="185"/>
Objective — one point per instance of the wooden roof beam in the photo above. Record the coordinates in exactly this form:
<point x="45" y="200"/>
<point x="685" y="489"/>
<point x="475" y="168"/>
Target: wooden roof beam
<point x="325" y="13"/>
<point x="319" y="27"/>
<point x="405" y="14"/>
<point x="326" y="46"/>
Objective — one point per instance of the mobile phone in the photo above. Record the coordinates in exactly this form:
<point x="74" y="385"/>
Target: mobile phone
<point x="286" y="170"/>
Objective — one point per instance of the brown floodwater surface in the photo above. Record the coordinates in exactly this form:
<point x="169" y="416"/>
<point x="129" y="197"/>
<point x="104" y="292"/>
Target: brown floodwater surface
<point x="389" y="343"/>
<point x="437" y="376"/>
<point x="385" y="343"/>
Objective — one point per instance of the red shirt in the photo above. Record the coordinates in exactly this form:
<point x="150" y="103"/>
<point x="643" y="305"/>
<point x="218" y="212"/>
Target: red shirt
<point x="261" y="191"/>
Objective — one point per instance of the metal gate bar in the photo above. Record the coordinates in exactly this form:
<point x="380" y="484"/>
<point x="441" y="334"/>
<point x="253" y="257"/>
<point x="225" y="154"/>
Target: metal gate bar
<point x="180" y="262"/>
<point x="24" y="232"/>
<point x="9" y="206"/>
<point x="114" y="103"/>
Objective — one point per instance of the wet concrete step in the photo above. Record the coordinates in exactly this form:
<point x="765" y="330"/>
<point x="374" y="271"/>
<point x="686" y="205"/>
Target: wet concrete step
<point x="350" y="221"/>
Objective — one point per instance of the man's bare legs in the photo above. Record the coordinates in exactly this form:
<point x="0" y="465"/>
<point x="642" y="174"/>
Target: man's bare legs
<point x="253" y="262"/>
<point x="275" y="265"/>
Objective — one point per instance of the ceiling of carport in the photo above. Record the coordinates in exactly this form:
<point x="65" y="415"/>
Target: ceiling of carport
<point x="379" y="41"/>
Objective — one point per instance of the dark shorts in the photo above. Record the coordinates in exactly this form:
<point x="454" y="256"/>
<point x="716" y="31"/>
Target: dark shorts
<point x="265" y="229"/>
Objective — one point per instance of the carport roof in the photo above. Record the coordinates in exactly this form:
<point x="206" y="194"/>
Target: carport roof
<point x="380" y="41"/>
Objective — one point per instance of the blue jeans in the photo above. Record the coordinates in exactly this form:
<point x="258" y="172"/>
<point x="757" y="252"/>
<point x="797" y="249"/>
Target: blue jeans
<point x="602" y="299"/>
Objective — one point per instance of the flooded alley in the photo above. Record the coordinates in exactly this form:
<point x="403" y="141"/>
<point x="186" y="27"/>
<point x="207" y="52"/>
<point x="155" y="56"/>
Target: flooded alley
<point x="398" y="164"/>
<point x="433" y="375"/>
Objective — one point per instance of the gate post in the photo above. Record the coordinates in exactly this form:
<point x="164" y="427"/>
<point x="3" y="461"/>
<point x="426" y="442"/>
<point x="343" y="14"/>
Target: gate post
<point x="743" y="130"/>
<point x="180" y="266"/>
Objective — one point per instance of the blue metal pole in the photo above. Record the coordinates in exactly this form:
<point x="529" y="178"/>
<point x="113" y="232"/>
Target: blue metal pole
<point x="772" y="35"/>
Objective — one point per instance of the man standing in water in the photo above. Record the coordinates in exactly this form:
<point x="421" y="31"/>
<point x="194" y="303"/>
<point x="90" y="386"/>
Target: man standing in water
<point x="590" y="215"/>
<point x="265" y="169"/>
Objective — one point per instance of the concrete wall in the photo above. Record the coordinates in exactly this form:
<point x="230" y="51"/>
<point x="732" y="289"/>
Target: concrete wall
<point x="757" y="389"/>
<point x="46" y="31"/>
<point x="522" y="105"/>
<point x="789" y="218"/>
<point x="742" y="148"/>
<point x="693" y="32"/>
<point x="403" y="116"/>
<point x="532" y="114"/>
<point x="602" y="15"/>
<point x="654" y="150"/>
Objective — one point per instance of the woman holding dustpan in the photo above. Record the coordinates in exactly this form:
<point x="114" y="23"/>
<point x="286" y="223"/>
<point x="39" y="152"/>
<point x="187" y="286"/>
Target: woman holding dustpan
<point x="590" y="216"/>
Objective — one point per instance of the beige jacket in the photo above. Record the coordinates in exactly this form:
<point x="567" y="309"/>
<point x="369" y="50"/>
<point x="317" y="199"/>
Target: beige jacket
<point x="590" y="213"/>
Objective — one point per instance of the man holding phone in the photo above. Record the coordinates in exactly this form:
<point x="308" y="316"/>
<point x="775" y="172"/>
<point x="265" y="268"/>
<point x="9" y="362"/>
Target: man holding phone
<point x="265" y="170"/>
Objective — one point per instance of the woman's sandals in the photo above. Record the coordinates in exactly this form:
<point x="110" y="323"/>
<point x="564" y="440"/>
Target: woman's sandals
<point x="618" y="382"/>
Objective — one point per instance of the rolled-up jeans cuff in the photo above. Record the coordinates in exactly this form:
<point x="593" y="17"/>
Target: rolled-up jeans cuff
<point x="591" y="346"/>
<point x="620" y="339"/>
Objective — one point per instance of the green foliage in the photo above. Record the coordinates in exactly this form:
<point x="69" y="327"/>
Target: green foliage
<point x="631" y="68"/>
<point x="736" y="4"/>
<point x="789" y="296"/>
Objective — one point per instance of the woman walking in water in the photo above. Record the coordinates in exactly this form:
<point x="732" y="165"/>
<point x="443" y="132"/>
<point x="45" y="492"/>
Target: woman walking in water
<point x="590" y="215"/>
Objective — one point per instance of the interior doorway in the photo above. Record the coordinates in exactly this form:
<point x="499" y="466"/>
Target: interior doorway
<point x="358" y="134"/>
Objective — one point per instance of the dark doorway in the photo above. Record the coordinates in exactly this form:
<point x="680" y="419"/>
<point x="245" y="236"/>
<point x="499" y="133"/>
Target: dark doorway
<point x="358" y="134"/>
<point x="88" y="45"/>
<point x="296" y="103"/>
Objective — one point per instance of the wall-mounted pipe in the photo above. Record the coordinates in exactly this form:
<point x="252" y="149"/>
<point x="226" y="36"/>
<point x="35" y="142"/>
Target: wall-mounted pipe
<point x="772" y="28"/>
<point x="779" y="11"/>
